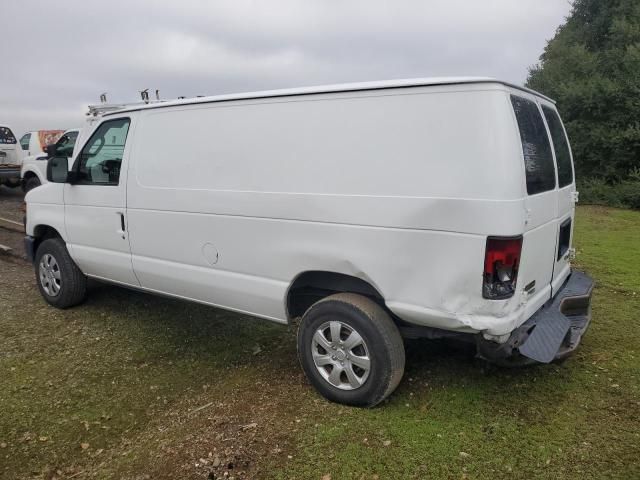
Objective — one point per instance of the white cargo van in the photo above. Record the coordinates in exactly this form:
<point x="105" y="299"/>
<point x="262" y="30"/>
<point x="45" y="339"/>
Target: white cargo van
<point x="417" y="208"/>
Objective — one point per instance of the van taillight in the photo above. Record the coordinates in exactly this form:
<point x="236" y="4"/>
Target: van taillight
<point x="501" y="261"/>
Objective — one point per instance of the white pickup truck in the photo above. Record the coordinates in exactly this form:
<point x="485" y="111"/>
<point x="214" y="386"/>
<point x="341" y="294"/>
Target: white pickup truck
<point x="34" y="167"/>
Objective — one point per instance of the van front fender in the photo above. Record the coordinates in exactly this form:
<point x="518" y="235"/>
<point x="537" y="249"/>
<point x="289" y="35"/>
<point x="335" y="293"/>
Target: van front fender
<point x="45" y="208"/>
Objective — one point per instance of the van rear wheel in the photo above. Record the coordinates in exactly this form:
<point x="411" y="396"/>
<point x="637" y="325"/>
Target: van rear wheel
<point x="350" y="350"/>
<point x="60" y="281"/>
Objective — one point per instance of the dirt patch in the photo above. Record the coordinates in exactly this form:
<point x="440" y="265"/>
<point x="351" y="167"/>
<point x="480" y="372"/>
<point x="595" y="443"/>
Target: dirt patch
<point x="14" y="241"/>
<point x="11" y="203"/>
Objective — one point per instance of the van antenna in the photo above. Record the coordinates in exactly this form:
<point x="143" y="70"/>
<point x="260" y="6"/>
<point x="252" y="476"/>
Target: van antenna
<point x="157" y="94"/>
<point x="103" y="97"/>
<point x="144" y="94"/>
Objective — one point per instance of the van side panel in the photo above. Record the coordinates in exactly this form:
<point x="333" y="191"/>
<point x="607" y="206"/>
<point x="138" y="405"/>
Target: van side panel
<point x="430" y="144"/>
<point x="358" y="183"/>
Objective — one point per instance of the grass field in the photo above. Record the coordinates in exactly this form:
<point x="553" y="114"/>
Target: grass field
<point x="134" y="386"/>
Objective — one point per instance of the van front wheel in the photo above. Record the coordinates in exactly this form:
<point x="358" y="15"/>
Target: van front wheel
<point x="350" y="350"/>
<point x="60" y="281"/>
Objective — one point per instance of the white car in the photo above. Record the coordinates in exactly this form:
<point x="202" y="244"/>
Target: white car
<point x="34" y="167"/>
<point x="417" y="208"/>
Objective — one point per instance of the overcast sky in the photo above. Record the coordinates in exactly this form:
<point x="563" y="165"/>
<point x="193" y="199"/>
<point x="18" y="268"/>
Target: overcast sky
<point x="58" y="56"/>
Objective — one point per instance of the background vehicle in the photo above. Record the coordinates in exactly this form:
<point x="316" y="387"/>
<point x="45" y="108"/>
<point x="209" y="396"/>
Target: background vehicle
<point x="421" y="207"/>
<point x="10" y="158"/>
<point x="34" y="167"/>
<point x="33" y="143"/>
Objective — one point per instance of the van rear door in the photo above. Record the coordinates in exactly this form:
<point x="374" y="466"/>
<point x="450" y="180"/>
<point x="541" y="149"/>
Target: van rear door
<point x="566" y="190"/>
<point x="537" y="259"/>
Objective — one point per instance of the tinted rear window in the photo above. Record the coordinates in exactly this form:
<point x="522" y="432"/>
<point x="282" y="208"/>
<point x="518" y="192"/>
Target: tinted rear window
<point x="560" y="145"/>
<point x="538" y="160"/>
<point x="6" y="136"/>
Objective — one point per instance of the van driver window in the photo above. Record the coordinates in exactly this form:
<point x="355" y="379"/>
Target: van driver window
<point x="102" y="155"/>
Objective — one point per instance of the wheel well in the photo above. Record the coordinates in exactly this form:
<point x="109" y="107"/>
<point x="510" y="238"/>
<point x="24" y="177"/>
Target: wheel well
<point x="42" y="233"/>
<point x="309" y="287"/>
<point x="28" y="175"/>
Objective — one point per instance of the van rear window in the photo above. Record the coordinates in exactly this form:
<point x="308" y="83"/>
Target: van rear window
<point x="538" y="160"/>
<point x="7" y="136"/>
<point x="561" y="147"/>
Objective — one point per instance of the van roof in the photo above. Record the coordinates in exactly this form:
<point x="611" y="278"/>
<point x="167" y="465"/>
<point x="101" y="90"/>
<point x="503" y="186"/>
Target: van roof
<point x="337" y="88"/>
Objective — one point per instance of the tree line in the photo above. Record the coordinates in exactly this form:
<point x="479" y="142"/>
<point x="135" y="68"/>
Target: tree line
<point x="592" y="69"/>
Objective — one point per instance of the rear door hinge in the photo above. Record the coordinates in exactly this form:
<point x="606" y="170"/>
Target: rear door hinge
<point x="575" y="196"/>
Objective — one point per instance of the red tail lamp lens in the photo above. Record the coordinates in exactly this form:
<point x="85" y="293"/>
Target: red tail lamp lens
<point x="501" y="261"/>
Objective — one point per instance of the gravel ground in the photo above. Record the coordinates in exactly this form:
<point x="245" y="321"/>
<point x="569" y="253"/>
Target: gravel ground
<point x="11" y="202"/>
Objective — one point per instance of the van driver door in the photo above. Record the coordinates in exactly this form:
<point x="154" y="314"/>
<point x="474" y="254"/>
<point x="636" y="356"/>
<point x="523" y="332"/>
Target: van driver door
<point x="95" y="204"/>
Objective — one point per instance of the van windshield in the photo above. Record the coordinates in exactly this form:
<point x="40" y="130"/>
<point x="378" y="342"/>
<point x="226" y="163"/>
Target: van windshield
<point x="538" y="159"/>
<point x="7" y="136"/>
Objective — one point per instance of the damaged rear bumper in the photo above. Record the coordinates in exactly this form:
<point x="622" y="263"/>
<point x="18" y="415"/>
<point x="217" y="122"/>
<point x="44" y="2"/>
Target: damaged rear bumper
<point x="552" y="333"/>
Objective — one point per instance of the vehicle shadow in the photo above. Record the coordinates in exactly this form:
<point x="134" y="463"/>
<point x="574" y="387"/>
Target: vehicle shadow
<point x="173" y="327"/>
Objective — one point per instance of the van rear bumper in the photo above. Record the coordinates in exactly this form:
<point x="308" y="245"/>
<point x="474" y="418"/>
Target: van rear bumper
<point x="552" y="333"/>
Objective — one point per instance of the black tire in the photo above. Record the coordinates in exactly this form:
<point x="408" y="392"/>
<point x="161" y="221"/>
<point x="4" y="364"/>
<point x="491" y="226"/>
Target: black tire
<point x="382" y="341"/>
<point x="72" y="287"/>
<point x="31" y="183"/>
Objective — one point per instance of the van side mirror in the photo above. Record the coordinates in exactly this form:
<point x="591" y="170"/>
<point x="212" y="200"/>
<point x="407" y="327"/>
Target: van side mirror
<point x="58" y="170"/>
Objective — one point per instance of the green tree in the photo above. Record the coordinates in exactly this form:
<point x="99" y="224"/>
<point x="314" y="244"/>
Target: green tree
<point x="592" y="68"/>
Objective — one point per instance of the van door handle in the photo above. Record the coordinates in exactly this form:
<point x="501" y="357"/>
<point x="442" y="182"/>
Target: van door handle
<point x="121" y="232"/>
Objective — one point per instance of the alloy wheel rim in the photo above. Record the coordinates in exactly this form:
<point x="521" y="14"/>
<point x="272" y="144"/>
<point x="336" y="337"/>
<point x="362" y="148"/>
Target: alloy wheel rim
<point x="340" y="355"/>
<point x="49" y="273"/>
